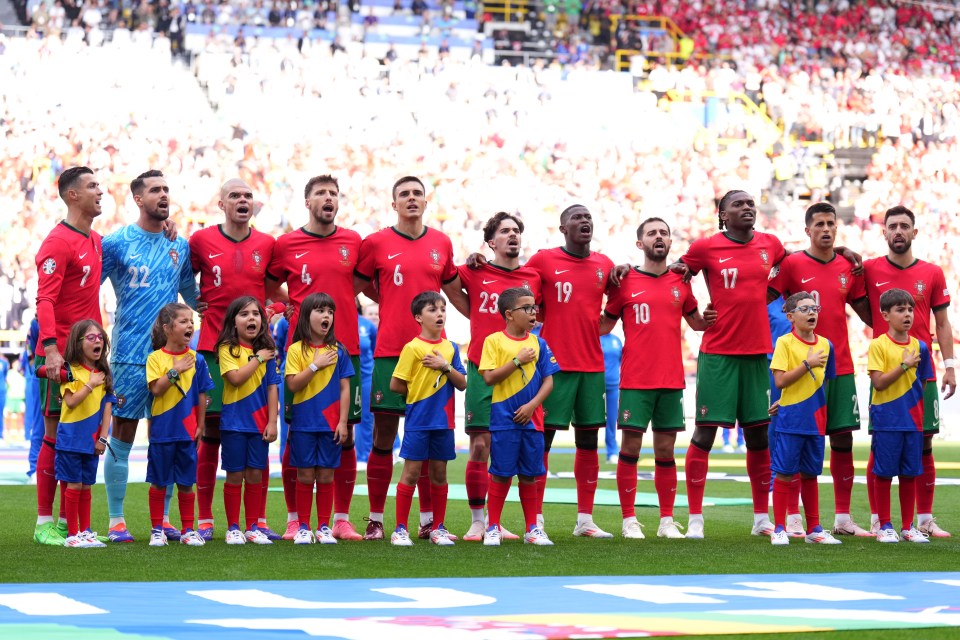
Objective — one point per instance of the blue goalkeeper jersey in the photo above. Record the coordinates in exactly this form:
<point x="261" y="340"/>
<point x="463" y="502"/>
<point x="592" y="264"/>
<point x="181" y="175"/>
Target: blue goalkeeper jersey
<point x="147" y="271"/>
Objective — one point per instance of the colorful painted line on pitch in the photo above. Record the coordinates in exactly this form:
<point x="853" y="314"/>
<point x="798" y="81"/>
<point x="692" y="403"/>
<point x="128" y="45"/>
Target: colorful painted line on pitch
<point x="482" y="608"/>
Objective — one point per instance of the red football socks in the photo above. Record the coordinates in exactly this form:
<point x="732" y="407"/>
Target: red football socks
<point x="627" y="484"/>
<point x="586" y="469"/>
<point x="344" y="480"/>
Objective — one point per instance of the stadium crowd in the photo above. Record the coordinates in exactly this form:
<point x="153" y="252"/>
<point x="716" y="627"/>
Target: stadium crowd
<point x="376" y="119"/>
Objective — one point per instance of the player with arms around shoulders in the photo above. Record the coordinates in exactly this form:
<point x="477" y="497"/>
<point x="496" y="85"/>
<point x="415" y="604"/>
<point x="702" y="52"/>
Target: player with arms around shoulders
<point x="322" y="256"/>
<point x="575" y="280"/>
<point x="396" y="264"/>
<point x="927" y="284"/>
<point x="147" y="271"/>
<point x="732" y="379"/>
<point x="483" y="286"/>
<point x="232" y="260"/>
<point x="831" y="281"/>
<point x="651" y="301"/>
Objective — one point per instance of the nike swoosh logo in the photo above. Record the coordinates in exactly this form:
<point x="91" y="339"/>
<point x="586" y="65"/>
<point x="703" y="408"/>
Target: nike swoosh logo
<point x="630" y="490"/>
<point x="930" y="484"/>
<point x="637" y="294"/>
<point x="806" y="280"/>
<point x="134" y="257"/>
<point x="697" y="480"/>
<point x="880" y="284"/>
<point x="489" y="281"/>
<point x="722" y="260"/>
<point x="558" y="272"/>
<point x="82" y="256"/>
<point x="847" y="478"/>
<point x="300" y="255"/>
<point x="591" y="482"/>
<point x="213" y="255"/>
<point x="394" y="255"/>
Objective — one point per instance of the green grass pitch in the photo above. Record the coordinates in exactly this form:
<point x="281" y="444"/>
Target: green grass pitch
<point x="728" y="547"/>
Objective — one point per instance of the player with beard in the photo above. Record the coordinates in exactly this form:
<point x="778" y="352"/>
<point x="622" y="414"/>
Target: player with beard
<point x="147" y="270"/>
<point x="68" y="290"/>
<point x="830" y="280"/>
<point x="575" y="280"/>
<point x="483" y="286"/>
<point x="732" y="380"/>
<point x="926" y="283"/>
<point x="651" y="301"/>
<point x="400" y="262"/>
<point x="321" y="257"/>
<point x="232" y="260"/>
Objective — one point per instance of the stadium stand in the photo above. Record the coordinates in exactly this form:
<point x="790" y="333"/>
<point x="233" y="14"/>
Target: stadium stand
<point x="799" y="116"/>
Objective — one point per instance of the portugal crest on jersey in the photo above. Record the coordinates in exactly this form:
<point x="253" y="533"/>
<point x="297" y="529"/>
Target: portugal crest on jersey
<point x="626" y="415"/>
<point x="121" y="400"/>
<point x="49" y="266"/>
<point x="344" y="254"/>
<point x="469" y="417"/>
<point x="675" y="294"/>
<point x="599" y="274"/>
<point x="378" y="396"/>
<point x="257" y="260"/>
<point x="175" y="257"/>
<point x="921" y="287"/>
<point x="844" y="281"/>
<point x="764" y="256"/>
<point x="703" y="410"/>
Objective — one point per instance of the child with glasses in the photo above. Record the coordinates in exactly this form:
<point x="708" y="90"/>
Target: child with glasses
<point x="802" y="362"/>
<point x="520" y="367"/>
<point x="84" y="422"/>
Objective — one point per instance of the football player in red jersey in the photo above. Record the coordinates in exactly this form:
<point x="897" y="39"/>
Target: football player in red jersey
<point x="68" y="269"/>
<point x="926" y="283"/>
<point x="830" y="280"/>
<point x="651" y="301"/>
<point x="483" y="286"/>
<point x="321" y="257"/>
<point x="232" y="260"/>
<point x="733" y="382"/>
<point x="400" y="262"/>
<point x="575" y="280"/>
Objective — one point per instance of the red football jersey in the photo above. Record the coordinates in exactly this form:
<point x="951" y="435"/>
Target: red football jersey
<point x="923" y="280"/>
<point x="651" y="308"/>
<point x="737" y="274"/>
<point x="68" y="270"/>
<point x="573" y="290"/>
<point x="401" y="267"/>
<point x="228" y="269"/>
<point x="833" y="285"/>
<point x="483" y="287"/>
<point x="309" y="263"/>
